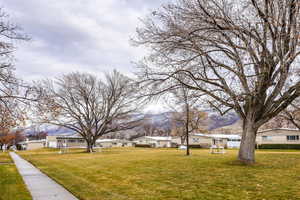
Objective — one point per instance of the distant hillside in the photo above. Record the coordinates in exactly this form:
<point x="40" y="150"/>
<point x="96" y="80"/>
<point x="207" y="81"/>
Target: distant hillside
<point x="234" y="128"/>
<point x="162" y="121"/>
<point x="214" y="120"/>
<point x="215" y="123"/>
<point x="50" y="130"/>
<point x="218" y="121"/>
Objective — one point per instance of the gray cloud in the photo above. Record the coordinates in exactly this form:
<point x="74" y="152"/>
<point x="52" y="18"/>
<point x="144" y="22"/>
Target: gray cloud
<point x="77" y="35"/>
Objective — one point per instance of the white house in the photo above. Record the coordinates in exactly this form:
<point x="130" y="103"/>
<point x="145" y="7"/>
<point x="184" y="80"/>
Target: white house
<point x="70" y="141"/>
<point x="229" y="141"/>
<point x="278" y="136"/>
<point x="198" y="140"/>
<point x="32" y="144"/>
<point x="154" y="141"/>
<point x="77" y="141"/>
<point x="106" y="143"/>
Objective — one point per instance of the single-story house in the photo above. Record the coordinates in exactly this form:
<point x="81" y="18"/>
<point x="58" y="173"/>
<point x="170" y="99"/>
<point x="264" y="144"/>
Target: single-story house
<point x="106" y="143"/>
<point x="70" y="141"/>
<point x="32" y="144"/>
<point x="199" y="139"/>
<point x="154" y="141"/>
<point x="194" y="140"/>
<point x="281" y="136"/>
<point x="268" y="136"/>
<point x="224" y="140"/>
<point x="234" y="141"/>
<point x="77" y="141"/>
<point x="278" y="136"/>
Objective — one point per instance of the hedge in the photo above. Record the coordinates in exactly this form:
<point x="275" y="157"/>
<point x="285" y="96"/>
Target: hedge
<point x="144" y="145"/>
<point x="195" y="146"/>
<point x="279" y="146"/>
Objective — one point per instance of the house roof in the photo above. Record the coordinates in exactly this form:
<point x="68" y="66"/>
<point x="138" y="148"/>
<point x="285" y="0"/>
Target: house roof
<point x="106" y="140"/>
<point x="223" y="136"/>
<point x="111" y="140"/>
<point x="159" y="138"/>
<point x="278" y="129"/>
<point x="68" y="136"/>
<point x="32" y="141"/>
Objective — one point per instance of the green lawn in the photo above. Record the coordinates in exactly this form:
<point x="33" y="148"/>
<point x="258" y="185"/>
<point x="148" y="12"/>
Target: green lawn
<point x="166" y="174"/>
<point x="11" y="183"/>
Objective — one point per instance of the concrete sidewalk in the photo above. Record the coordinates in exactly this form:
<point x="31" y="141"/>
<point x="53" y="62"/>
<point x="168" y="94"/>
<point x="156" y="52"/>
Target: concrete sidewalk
<point x="40" y="185"/>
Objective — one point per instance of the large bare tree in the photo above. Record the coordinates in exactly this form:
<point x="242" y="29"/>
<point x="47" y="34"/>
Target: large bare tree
<point x="186" y="116"/>
<point x="12" y="114"/>
<point x="9" y="33"/>
<point x="241" y="54"/>
<point x="14" y="93"/>
<point x="89" y="106"/>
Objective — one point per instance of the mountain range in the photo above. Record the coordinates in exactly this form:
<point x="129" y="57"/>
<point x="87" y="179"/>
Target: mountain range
<point x="162" y="121"/>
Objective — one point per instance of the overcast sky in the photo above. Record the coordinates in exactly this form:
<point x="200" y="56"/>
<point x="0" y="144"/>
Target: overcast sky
<point x="77" y="35"/>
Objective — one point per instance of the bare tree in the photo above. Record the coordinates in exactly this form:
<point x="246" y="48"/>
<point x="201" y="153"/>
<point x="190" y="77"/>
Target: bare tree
<point x="11" y="119"/>
<point x="37" y="135"/>
<point x="186" y="117"/>
<point x="9" y="84"/>
<point x="147" y="127"/>
<point x="240" y="54"/>
<point x="89" y="106"/>
<point x="13" y="91"/>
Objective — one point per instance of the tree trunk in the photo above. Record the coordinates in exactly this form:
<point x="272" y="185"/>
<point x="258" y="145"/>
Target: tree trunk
<point x="187" y="145"/>
<point x="89" y="147"/>
<point x="247" y="148"/>
<point x="187" y="131"/>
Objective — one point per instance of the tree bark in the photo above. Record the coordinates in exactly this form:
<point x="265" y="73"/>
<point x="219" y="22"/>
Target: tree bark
<point x="187" y="145"/>
<point x="187" y="131"/>
<point x="89" y="147"/>
<point x="247" y="147"/>
<point x="187" y="126"/>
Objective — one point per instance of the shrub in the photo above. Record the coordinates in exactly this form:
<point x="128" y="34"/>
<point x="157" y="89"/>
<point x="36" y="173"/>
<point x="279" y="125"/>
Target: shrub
<point x="279" y="146"/>
<point x="174" y="145"/>
<point x="195" y="146"/>
<point x="144" y="145"/>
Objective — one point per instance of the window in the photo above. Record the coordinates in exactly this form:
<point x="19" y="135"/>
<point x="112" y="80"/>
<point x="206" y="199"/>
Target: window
<point x="72" y="141"/>
<point x="196" y="139"/>
<point x="234" y="140"/>
<point x="266" y="138"/>
<point x="292" y="137"/>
